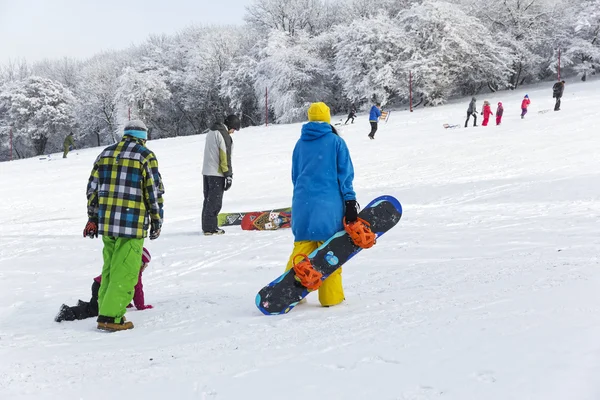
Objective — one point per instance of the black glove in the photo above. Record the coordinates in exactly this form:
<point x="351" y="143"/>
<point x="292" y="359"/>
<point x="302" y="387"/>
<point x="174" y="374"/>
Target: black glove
<point x="91" y="228"/>
<point x="228" y="182"/>
<point x="351" y="211"/>
<point x="155" y="229"/>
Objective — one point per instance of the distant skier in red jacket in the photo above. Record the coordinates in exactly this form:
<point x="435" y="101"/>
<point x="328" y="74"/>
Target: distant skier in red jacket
<point x="524" y="104"/>
<point x="487" y="111"/>
<point x="499" y="113"/>
<point x="85" y="309"/>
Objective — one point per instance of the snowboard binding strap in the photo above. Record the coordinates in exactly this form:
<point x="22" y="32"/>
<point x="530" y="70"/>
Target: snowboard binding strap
<point x="306" y="274"/>
<point x="360" y="233"/>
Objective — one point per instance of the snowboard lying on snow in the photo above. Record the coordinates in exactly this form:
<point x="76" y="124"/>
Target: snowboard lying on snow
<point x="266" y="221"/>
<point x="228" y="219"/>
<point x="281" y="295"/>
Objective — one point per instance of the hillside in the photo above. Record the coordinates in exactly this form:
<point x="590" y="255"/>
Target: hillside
<point x="487" y="289"/>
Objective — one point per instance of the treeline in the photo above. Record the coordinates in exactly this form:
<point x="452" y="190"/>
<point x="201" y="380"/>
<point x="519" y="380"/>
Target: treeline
<point x="346" y="53"/>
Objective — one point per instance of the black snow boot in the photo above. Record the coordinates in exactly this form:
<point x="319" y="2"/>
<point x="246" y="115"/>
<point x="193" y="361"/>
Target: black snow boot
<point x="65" y="314"/>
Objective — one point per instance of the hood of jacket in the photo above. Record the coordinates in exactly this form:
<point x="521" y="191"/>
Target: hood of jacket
<point x="315" y="130"/>
<point x="218" y="126"/>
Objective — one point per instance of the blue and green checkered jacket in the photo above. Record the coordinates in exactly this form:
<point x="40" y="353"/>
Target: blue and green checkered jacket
<point x="125" y="190"/>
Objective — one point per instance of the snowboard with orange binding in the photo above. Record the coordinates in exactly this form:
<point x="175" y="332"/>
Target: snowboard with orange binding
<point x="309" y="272"/>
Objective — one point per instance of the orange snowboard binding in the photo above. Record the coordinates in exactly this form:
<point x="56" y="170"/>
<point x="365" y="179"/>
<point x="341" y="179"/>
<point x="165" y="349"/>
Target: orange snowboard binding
<point x="306" y="274"/>
<point x="360" y="233"/>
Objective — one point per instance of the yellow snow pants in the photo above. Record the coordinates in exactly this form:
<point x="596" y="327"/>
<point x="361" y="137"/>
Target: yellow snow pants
<point x="331" y="291"/>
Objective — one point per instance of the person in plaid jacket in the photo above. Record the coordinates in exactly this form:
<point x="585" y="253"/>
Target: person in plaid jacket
<point x="125" y="198"/>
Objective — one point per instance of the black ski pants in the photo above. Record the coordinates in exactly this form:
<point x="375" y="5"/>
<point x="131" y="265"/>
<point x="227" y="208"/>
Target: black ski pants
<point x="85" y="310"/>
<point x="214" y="187"/>
<point x="469" y="116"/>
<point x="557" y="105"/>
<point x="349" y="118"/>
<point x="373" y="128"/>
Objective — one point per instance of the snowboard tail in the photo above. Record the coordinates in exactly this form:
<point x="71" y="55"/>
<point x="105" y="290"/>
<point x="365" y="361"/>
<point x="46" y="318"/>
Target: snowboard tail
<point x="282" y="295"/>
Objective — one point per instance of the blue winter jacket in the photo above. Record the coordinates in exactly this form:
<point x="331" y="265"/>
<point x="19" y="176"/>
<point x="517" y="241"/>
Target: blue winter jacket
<point x="375" y="114"/>
<point x="322" y="174"/>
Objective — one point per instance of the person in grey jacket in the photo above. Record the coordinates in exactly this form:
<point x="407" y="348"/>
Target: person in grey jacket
<point x="217" y="172"/>
<point x="472" y="110"/>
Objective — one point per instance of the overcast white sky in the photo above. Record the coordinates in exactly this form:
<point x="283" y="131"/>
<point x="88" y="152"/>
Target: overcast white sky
<point x="38" y="29"/>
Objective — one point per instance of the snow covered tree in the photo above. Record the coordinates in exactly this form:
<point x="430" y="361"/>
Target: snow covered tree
<point x="97" y="107"/>
<point x="434" y="40"/>
<point x="40" y="111"/>
<point x="238" y="89"/>
<point x="444" y="53"/>
<point x="65" y="71"/>
<point x="294" y="73"/>
<point x="210" y="56"/>
<point x="290" y="16"/>
<point x="525" y="27"/>
<point x="367" y="59"/>
<point x="14" y="71"/>
<point x="580" y="40"/>
<point x="142" y="91"/>
<point x="357" y="9"/>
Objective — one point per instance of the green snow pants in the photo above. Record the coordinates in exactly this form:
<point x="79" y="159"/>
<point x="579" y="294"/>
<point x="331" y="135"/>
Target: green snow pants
<point x="122" y="263"/>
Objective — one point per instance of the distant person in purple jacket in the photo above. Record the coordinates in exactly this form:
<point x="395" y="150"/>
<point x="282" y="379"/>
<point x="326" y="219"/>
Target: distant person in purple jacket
<point x="89" y="309"/>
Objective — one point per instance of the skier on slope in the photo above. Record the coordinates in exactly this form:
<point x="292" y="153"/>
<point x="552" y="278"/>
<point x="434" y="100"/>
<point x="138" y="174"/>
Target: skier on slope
<point x="374" y="119"/>
<point x="68" y="144"/>
<point x="499" y="113"/>
<point x="217" y="171"/>
<point x="524" y="105"/>
<point x="125" y="198"/>
<point x="557" y="93"/>
<point x="472" y="110"/>
<point x="351" y="116"/>
<point x="322" y="175"/>
<point x="487" y="112"/>
<point x="85" y="309"/>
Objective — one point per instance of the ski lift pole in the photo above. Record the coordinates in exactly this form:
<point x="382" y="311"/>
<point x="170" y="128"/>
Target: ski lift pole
<point x="266" y="106"/>
<point x="11" y="144"/>
<point x="410" y="89"/>
<point x="559" y="63"/>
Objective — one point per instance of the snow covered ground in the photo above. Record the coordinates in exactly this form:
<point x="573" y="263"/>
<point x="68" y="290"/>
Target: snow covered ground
<point x="487" y="289"/>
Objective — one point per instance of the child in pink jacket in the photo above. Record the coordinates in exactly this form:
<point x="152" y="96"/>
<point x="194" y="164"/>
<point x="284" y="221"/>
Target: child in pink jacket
<point x="524" y="104"/>
<point x="499" y="113"/>
<point x="89" y="309"/>
<point x="487" y="111"/>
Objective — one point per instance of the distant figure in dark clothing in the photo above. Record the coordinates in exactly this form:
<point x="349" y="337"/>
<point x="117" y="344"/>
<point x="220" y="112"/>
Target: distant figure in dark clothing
<point x="557" y="92"/>
<point x="68" y="144"/>
<point x="472" y="110"/>
<point x="351" y="116"/>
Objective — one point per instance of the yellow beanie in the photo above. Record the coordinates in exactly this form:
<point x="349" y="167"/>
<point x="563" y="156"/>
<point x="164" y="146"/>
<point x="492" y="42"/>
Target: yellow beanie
<point x="319" y="112"/>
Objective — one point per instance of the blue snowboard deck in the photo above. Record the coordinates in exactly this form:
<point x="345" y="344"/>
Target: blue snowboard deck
<point x="282" y="295"/>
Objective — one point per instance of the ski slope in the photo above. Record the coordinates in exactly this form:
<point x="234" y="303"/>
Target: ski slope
<point x="487" y="289"/>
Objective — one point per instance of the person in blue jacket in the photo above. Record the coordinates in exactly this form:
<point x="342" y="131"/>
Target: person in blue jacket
<point x="374" y="118"/>
<point x="322" y="175"/>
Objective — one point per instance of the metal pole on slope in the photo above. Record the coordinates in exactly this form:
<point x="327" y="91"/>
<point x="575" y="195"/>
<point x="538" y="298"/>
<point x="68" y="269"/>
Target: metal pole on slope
<point x="266" y="106"/>
<point x="410" y="89"/>
<point x="130" y="113"/>
<point x="559" y="63"/>
<point x="11" y="144"/>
